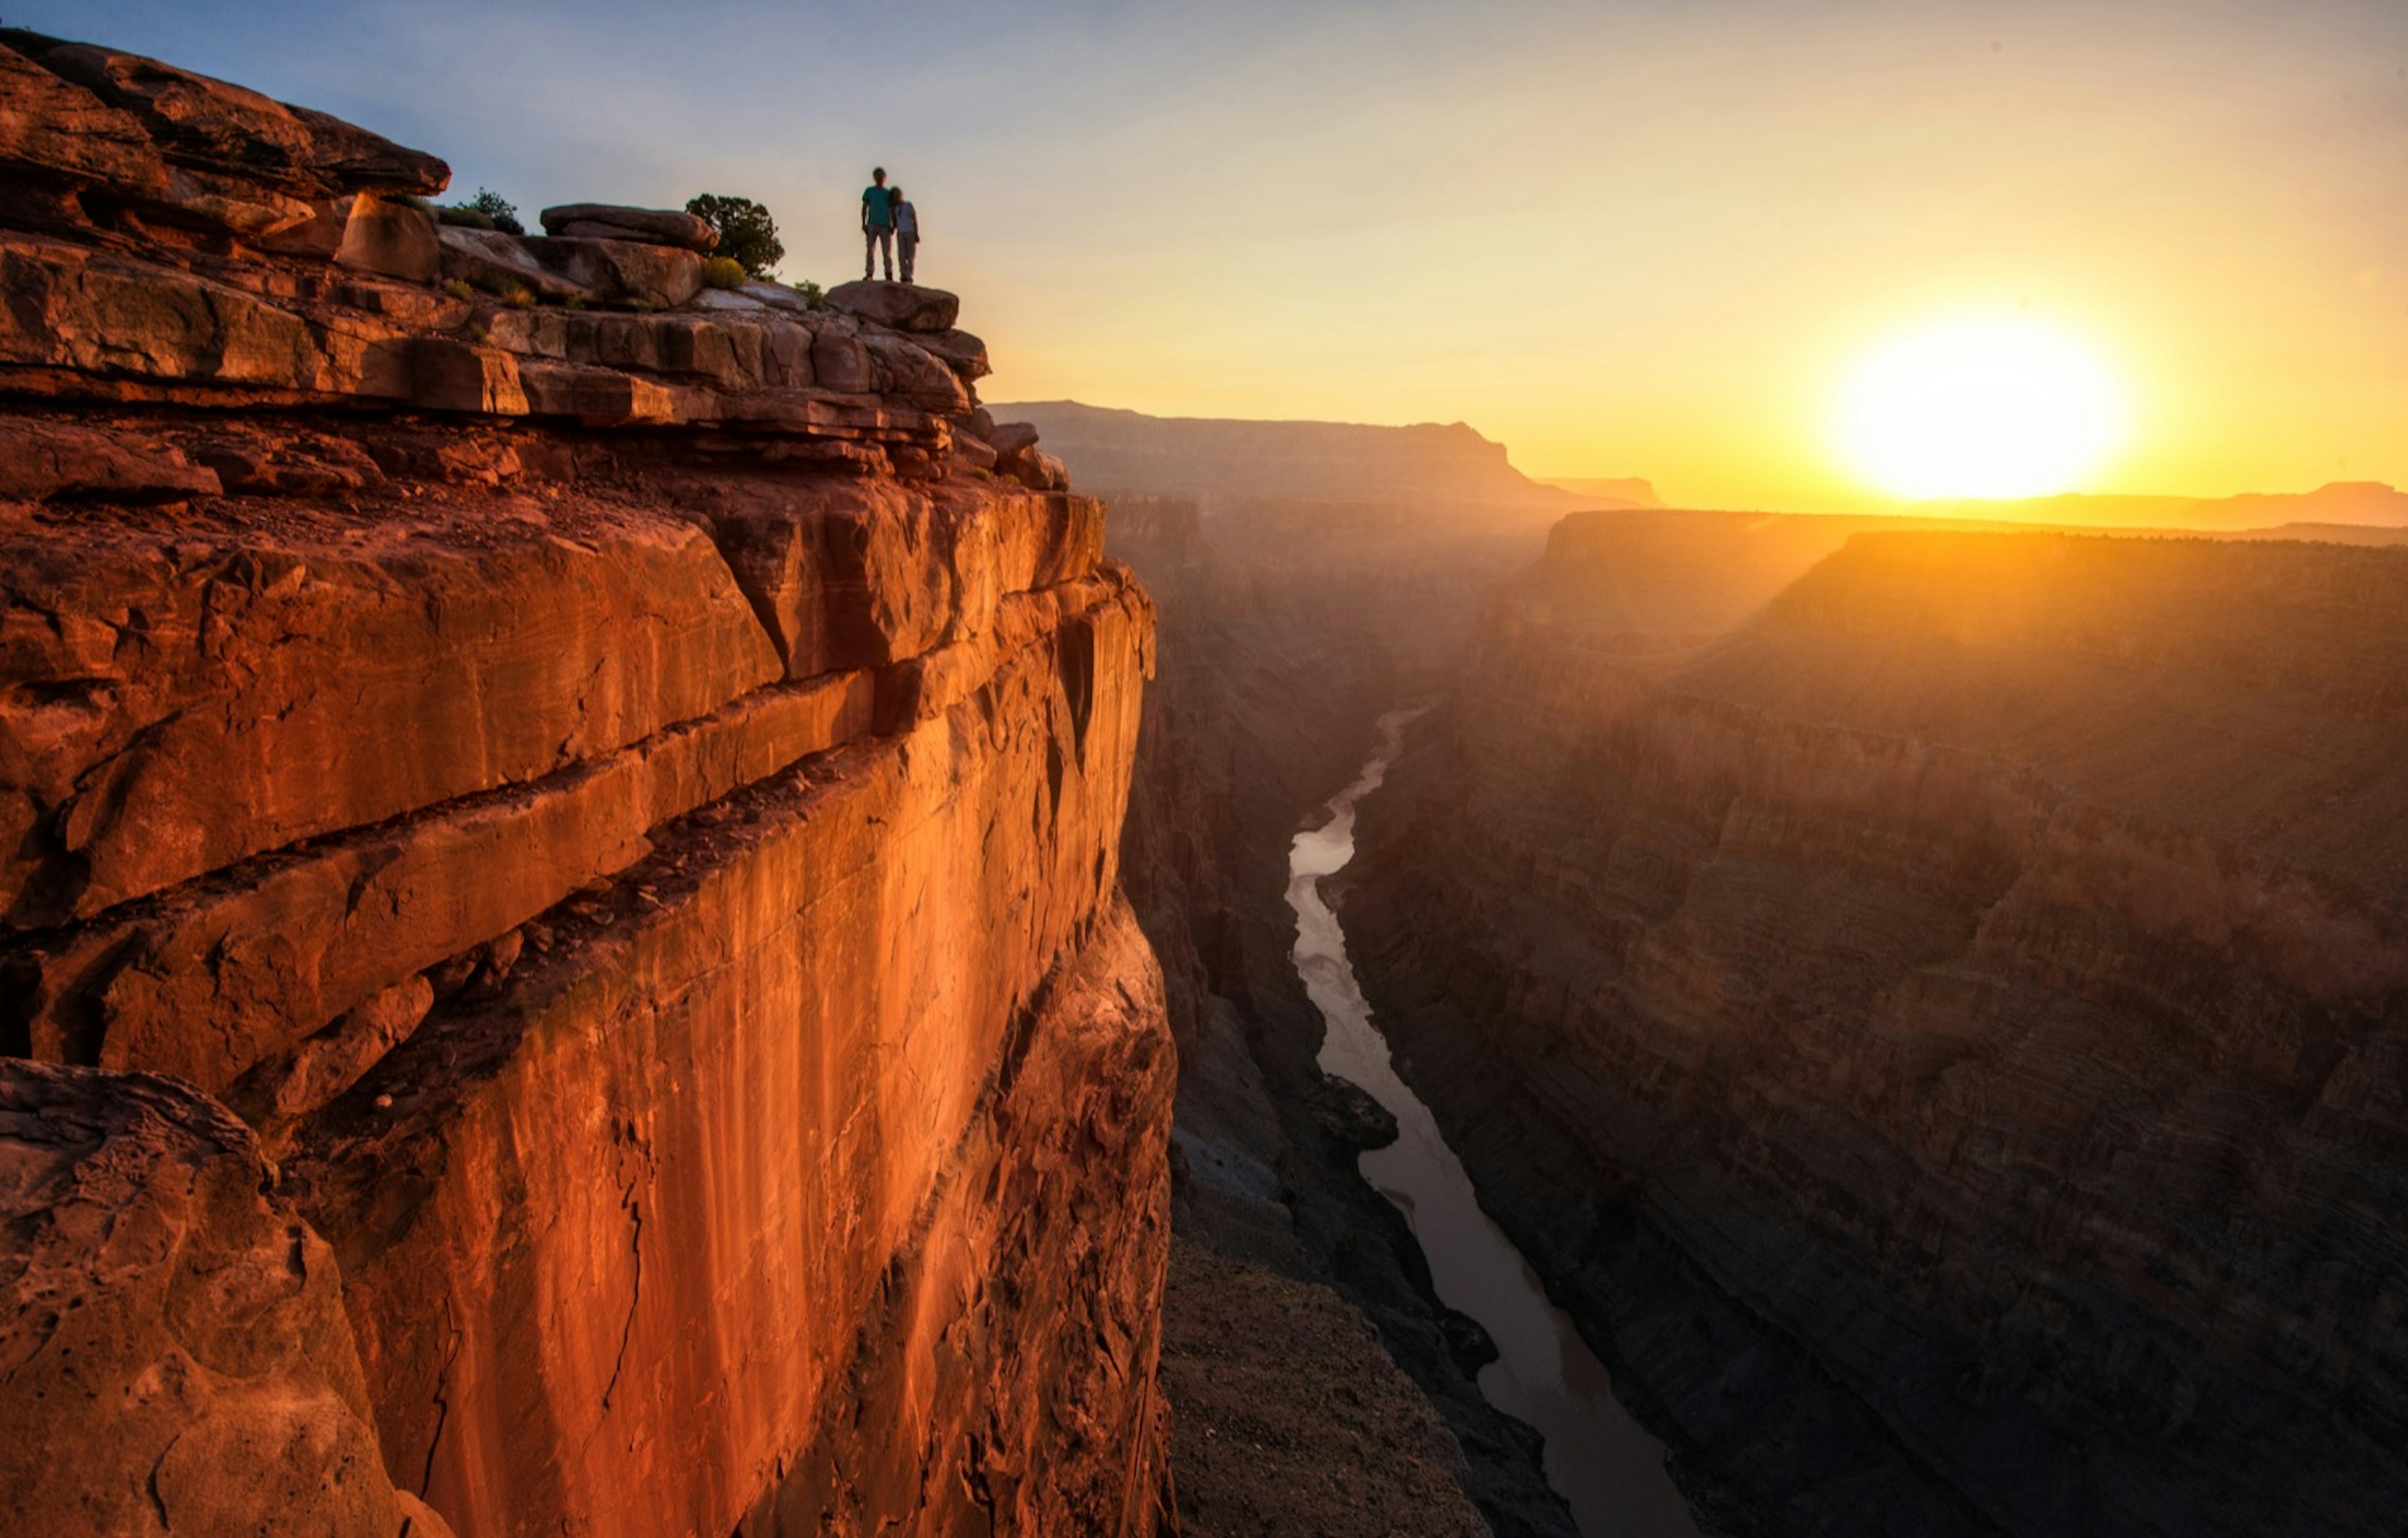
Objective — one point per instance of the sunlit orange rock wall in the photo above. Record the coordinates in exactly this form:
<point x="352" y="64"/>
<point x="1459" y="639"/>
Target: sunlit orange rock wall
<point x="622" y="801"/>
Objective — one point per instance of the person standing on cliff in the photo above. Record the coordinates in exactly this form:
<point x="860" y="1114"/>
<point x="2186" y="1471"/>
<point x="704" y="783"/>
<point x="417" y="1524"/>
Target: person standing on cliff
<point x="877" y="225"/>
<point x="907" y="231"/>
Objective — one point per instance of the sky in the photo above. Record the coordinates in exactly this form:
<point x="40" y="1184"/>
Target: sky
<point x="1649" y="239"/>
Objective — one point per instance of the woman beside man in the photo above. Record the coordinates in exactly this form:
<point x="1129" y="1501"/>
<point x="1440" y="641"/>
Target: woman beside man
<point x="887" y="220"/>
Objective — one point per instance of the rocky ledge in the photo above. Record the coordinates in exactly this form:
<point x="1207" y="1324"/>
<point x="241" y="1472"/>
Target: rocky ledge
<point x="559" y="903"/>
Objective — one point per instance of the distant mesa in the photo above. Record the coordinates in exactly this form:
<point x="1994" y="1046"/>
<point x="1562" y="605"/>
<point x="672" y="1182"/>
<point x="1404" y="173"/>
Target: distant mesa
<point x="1118" y="450"/>
<point x="1619" y="491"/>
<point x="2356" y="503"/>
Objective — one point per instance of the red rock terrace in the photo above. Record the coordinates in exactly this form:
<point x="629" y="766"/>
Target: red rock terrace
<point x="563" y="961"/>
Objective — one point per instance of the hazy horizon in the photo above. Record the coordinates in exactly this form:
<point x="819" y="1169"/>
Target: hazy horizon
<point x="1647" y="240"/>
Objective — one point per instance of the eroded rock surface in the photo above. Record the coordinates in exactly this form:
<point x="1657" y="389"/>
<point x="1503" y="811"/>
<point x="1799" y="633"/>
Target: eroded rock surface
<point x="623" y="809"/>
<point x="174" y="1356"/>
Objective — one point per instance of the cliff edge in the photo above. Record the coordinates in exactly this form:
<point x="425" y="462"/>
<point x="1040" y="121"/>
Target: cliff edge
<point x="558" y="873"/>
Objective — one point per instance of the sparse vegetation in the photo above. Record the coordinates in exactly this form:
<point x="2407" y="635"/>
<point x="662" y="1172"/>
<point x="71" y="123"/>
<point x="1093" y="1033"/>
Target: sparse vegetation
<point x="517" y="295"/>
<point x="487" y="210"/>
<point x="812" y="294"/>
<point x="746" y="234"/>
<point x="458" y="290"/>
<point x="723" y="272"/>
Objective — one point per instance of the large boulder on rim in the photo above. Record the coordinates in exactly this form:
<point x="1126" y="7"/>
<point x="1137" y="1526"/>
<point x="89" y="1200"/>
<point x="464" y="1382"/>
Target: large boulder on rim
<point x="905" y="306"/>
<point x="614" y="222"/>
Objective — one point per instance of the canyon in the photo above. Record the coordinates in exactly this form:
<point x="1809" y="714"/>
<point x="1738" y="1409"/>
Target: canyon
<point x="565" y="966"/>
<point x="1930" y="1004"/>
<point x="621" y="914"/>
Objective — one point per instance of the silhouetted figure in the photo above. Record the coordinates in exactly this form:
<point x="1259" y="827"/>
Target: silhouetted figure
<point x="877" y="225"/>
<point x="907" y="231"/>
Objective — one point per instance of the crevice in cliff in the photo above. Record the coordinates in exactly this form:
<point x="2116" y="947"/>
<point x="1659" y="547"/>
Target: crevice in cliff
<point x="441" y="1397"/>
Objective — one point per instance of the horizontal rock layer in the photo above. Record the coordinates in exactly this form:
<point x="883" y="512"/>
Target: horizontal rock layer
<point x="1945" y="1037"/>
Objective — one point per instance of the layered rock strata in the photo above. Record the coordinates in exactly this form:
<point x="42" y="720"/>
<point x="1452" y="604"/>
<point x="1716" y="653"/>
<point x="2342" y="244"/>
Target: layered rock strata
<point x="627" y="815"/>
<point x="1942" y="1038"/>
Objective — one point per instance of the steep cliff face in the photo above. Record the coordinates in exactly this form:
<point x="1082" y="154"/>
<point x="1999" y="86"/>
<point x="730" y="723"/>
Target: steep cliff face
<point x="1944" y="1038"/>
<point x="623" y="797"/>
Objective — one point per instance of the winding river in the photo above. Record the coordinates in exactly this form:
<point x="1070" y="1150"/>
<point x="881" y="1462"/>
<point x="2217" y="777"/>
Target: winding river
<point x="1604" y="1465"/>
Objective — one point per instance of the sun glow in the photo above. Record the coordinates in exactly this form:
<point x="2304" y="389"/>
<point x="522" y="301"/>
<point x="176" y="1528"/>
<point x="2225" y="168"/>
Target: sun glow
<point x="1986" y="406"/>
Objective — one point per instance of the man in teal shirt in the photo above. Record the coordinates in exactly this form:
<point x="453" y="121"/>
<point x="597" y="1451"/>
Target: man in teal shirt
<point x="877" y="225"/>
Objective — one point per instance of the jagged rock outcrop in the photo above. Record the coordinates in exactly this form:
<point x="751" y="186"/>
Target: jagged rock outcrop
<point x="1942" y="1037"/>
<point x="624" y="812"/>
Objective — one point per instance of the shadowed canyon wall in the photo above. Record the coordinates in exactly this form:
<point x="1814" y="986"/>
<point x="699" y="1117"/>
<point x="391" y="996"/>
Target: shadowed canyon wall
<point x="559" y="874"/>
<point x="1942" y="1036"/>
<point x="1289" y="624"/>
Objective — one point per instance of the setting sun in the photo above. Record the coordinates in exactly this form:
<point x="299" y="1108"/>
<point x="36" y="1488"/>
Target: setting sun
<point x="1989" y="406"/>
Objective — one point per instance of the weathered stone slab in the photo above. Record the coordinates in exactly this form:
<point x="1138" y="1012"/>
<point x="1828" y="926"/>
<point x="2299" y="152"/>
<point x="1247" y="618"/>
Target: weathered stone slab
<point x="847" y="575"/>
<point x="213" y="124"/>
<point x="498" y="262"/>
<point x="209" y="982"/>
<point x="174" y="1354"/>
<point x="47" y="460"/>
<point x="656" y="227"/>
<point x="622" y="270"/>
<point x="179" y="706"/>
<point x="101" y="316"/>
<point x="905" y="306"/>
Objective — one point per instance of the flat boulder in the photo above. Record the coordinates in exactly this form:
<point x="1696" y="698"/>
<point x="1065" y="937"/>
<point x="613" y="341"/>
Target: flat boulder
<point x="610" y="221"/>
<point x="62" y="462"/>
<point x="904" y="306"/>
<point x="495" y="261"/>
<point x="1010" y="438"/>
<point x="174" y="1354"/>
<point x="777" y="296"/>
<point x="664" y="277"/>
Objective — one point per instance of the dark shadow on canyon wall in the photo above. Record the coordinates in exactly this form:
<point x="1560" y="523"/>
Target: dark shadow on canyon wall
<point x="1934" y="1004"/>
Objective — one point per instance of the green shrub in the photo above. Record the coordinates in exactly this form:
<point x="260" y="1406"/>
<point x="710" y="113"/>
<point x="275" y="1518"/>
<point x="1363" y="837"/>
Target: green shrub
<point x="465" y="218"/>
<point x="499" y="212"/>
<point x="812" y="294"/>
<point x="722" y="272"/>
<point x="458" y="290"/>
<point x="746" y="234"/>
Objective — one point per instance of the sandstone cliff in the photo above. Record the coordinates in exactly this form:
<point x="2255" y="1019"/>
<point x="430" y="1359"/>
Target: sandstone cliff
<point x="1942" y="1036"/>
<point x="618" y="784"/>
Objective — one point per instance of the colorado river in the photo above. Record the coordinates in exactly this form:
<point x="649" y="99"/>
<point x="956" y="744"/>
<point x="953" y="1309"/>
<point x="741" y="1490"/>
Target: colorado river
<point x="1607" y="1469"/>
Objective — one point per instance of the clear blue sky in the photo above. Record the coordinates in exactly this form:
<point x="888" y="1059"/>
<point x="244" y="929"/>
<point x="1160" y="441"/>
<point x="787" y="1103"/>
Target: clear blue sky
<point x="1629" y="238"/>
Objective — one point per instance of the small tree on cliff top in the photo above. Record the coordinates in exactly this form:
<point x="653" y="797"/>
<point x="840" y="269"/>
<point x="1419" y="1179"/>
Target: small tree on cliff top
<point x="747" y="233"/>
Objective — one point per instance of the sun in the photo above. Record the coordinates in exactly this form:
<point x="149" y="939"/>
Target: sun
<point x="1981" y="406"/>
